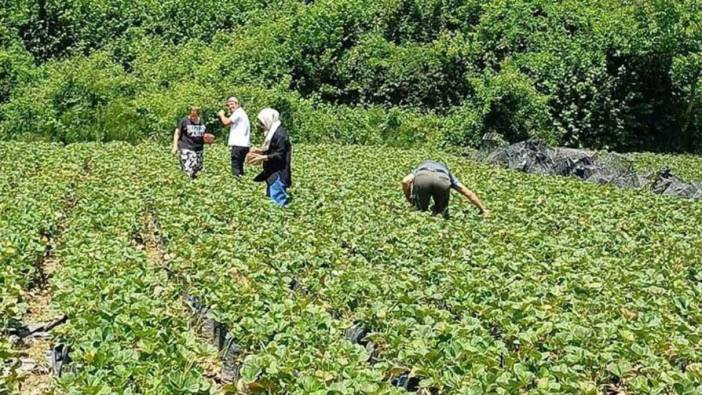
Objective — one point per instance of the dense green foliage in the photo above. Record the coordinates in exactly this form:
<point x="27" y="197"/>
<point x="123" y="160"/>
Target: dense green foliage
<point x="568" y="287"/>
<point x="125" y="326"/>
<point x="617" y="74"/>
<point x="33" y="200"/>
<point x="687" y="167"/>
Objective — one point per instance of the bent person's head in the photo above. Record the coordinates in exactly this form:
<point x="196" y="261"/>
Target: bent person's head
<point x="233" y="103"/>
<point x="267" y="119"/>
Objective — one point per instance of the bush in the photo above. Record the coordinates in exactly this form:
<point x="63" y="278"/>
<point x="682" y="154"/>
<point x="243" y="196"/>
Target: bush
<point x="59" y="28"/>
<point x="324" y="31"/>
<point x="419" y="75"/>
<point x="162" y="109"/>
<point x="424" y="21"/>
<point x="605" y="74"/>
<point x="77" y="100"/>
<point x="366" y="125"/>
<point x="606" y="67"/>
<point x="16" y="64"/>
<point x="506" y="103"/>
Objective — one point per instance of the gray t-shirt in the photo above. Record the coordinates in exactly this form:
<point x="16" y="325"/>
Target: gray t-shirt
<point x="434" y="166"/>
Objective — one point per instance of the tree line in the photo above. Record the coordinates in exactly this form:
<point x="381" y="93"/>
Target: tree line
<point x="616" y="74"/>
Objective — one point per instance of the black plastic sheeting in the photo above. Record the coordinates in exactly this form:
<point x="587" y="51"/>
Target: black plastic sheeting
<point x="218" y="334"/>
<point x="231" y="368"/>
<point x="667" y="184"/>
<point x="598" y="167"/>
<point x="357" y="334"/>
<point x="406" y="382"/>
<point x="60" y="360"/>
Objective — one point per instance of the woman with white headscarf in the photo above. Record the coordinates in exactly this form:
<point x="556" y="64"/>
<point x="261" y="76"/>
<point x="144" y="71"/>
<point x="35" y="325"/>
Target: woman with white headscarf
<point x="275" y="154"/>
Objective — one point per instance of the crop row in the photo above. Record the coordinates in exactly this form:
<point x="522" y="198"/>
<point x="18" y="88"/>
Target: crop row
<point x="290" y="342"/>
<point x="35" y="192"/>
<point x="126" y="331"/>
<point x="570" y="288"/>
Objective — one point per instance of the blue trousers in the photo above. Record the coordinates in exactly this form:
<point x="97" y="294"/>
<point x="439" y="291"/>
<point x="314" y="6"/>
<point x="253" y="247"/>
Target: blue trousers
<point x="278" y="193"/>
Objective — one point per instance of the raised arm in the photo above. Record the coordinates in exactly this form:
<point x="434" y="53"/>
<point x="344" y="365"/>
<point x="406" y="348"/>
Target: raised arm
<point x="473" y="199"/>
<point x="226" y="121"/>
<point x="407" y="186"/>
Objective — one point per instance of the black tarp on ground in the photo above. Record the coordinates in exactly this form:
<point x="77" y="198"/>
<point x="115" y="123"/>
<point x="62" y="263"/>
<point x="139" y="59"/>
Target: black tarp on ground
<point x="599" y="167"/>
<point x="666" y="183"/>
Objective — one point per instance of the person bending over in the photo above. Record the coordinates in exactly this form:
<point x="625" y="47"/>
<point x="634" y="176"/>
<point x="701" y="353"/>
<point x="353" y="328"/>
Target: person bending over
<point x="433" y="180"/>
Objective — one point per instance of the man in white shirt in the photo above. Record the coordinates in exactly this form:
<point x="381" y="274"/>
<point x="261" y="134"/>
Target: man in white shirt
<point x="239" y="134"/>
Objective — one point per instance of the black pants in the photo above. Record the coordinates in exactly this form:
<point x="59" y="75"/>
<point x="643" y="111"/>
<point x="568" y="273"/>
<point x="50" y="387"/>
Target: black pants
<point x="238" y="158"/>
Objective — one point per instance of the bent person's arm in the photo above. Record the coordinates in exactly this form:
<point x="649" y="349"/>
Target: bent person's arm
<point x="470" y="195"/>
<point x="407" y="187"/>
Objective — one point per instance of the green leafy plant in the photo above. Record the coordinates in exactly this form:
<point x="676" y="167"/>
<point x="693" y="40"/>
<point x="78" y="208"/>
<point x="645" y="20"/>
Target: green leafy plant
<point x="602" y="75"/>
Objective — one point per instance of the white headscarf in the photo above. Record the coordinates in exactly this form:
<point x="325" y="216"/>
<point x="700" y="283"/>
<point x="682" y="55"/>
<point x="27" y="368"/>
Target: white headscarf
<point x="270" y="119"/>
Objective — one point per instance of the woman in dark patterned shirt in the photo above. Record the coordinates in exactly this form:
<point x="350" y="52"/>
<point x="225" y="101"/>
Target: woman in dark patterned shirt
<point x="188" y="140"/>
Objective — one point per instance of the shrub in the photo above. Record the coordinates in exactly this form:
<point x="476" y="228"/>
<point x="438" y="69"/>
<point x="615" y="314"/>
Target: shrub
<point x="82" y="99"/>
<point x="506" y="103"/>
<point x="603" y="74"/>
<point x="59" y="28"/>
<point x="366" y="125"/>
<point x="16" y="64"/>
<point x="419" y="75"/>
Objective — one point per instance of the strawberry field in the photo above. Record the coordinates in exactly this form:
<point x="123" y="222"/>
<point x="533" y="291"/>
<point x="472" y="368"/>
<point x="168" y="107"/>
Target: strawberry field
<point x="173" y="286"/>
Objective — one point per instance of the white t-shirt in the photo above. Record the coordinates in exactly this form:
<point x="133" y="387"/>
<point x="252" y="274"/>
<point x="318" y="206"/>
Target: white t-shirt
<point x="240" y="129"/>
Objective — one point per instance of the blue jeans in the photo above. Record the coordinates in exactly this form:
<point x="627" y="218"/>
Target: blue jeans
<point x="277" y="191"/>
